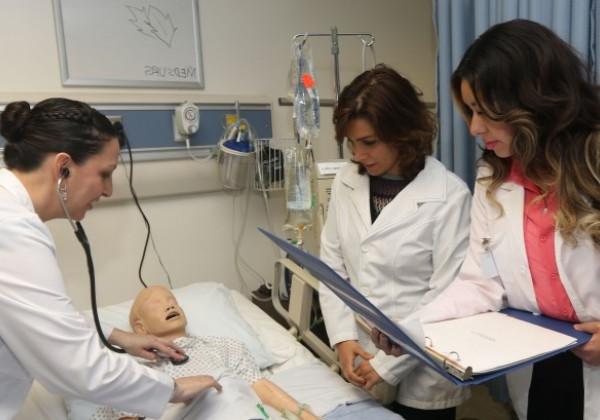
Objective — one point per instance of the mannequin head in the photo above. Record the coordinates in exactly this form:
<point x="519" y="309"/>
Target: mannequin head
<point x="156" y="311"/>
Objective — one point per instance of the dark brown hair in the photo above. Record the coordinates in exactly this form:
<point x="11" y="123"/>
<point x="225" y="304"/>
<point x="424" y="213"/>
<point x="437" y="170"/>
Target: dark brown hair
<point x="524" y="75"/>
<point x="54" y="125"/>
<point x="393" y="107"/>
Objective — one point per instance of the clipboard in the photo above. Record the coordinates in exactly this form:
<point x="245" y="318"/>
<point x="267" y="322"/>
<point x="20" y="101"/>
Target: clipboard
<point x="450" y="364"/>
<point x="445" y="364"/>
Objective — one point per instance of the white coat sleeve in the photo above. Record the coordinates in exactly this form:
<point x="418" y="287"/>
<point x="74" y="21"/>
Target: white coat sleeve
<point x="52" y="341"/>
<point x="338" y="317"/>
<point x="471" y="292"/>
<point x="450" y="241"/>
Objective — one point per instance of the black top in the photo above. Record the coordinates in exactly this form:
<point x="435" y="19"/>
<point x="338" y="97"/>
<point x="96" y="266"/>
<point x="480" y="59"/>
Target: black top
<point x="382" y="190"/>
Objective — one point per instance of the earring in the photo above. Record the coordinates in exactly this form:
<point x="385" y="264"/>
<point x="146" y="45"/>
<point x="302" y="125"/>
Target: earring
<point x="62" y="190"/>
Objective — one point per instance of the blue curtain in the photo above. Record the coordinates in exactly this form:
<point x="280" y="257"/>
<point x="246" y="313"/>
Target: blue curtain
<point x="459" y="22"/>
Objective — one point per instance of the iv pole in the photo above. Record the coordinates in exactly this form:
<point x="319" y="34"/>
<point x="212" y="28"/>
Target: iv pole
<point x="335" y="52"/>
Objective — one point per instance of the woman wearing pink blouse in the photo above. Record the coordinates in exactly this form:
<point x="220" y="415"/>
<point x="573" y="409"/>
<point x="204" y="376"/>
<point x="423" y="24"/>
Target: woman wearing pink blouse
<point x="535" y="219"/>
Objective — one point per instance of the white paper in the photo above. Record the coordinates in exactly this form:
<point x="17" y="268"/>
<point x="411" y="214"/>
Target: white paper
<point x="490" y="341"/>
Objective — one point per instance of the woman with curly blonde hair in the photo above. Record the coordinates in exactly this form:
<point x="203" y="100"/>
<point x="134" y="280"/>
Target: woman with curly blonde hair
<point x="535" y="221"/>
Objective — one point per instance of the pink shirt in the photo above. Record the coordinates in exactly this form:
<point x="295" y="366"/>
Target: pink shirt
<point x="539" y="226"/>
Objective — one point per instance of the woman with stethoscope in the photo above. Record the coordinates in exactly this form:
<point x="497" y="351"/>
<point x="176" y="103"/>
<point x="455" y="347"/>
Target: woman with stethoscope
<point x="59" y="158"/>
<point x="535" y="219"/>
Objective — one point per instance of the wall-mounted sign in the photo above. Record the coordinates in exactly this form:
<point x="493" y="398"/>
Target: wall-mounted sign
<point x="135" y="43"/>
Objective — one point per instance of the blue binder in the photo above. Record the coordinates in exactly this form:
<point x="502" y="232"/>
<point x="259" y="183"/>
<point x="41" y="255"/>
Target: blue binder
<point x="362" y="306"/>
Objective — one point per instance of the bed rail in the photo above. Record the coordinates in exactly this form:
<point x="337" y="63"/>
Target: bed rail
<point x="298" y="318"/>
<point x="300" y="304"/>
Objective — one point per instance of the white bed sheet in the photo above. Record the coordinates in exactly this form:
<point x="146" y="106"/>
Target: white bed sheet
<point x="322" y="389"/>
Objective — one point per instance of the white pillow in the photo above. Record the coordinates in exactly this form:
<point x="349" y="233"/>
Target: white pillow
<point x="282" y="345"/>
<point x="210" y="310"/>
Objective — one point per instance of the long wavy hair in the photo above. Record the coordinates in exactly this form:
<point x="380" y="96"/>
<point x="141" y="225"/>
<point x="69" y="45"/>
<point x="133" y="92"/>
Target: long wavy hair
<point x="524" y="75"/>
<point x="393" y="107"/>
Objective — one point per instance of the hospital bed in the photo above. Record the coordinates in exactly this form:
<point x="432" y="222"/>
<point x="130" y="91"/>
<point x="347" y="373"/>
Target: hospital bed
<point x="212" y="309"/>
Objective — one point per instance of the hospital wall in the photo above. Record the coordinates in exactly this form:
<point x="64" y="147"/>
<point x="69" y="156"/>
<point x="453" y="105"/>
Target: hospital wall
<point x="246" y="53"/>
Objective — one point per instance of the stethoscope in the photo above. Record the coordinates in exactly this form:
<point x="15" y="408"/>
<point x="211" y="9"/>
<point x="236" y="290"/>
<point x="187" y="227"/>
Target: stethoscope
<point x="83" y="240"/>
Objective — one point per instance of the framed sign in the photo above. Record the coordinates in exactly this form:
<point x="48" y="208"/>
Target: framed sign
<point x="129" y="43"/>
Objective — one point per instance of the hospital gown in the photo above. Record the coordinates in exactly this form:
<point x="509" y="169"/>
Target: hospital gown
<point x="214" y="356"/>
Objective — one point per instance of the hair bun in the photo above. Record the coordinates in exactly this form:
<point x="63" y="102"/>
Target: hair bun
<point x="13" y="120"/>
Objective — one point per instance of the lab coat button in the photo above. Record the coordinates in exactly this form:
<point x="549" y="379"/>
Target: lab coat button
<point x="363" y="249"/>
<point x="364" y="291"/>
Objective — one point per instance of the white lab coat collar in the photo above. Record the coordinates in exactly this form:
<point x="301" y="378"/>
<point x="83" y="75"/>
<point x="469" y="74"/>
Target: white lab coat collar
<point x="420" y="190"/>
<point x="13" y="185"/>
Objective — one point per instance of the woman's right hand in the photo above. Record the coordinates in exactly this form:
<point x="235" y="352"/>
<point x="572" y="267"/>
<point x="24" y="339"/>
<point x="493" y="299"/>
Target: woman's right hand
<point x="382" y="342"/>
<point x="348" y="351"/>
<point x="189" y="387"/>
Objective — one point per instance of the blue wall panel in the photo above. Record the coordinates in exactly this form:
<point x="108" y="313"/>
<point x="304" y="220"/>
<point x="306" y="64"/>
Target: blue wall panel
<point x="151" y="127"/>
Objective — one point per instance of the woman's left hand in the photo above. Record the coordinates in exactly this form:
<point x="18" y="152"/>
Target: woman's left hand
<point x="145" y="346"/>
<point x="590" y="351"/>
<point x="366" y="371"/>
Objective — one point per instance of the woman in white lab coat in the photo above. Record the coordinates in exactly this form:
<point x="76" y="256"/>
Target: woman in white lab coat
<point x="535" y="221"/>
<point x="397" y="228"/>
<point x="63" y="151"/>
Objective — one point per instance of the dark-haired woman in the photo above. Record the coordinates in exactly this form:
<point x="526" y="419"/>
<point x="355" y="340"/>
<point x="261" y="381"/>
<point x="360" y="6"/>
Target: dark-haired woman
<point x="61" y="154"/>
<point x="535" y="232"/>
<point x="397" y="229"/>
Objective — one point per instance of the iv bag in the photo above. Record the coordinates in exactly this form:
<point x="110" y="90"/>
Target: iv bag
<point x="306" y="111"/>
<point x="298" y="166"/>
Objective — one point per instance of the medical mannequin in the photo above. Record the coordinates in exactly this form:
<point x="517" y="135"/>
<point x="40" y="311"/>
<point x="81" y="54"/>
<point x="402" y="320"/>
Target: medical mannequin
<point x="535" y="231"/>
<point x="63" y="151"/>
<point x="397" y="229"/>
<point x="156" y="311"/>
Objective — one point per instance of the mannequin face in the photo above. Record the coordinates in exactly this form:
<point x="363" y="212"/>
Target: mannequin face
<point x="156" y="311"/>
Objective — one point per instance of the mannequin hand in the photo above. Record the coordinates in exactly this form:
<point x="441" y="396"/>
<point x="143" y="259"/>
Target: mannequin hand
<point x="347" y="352"/>
<point x="189" y="387"/>
<point x="590" y="351"/>
<point x="366" y="371"/>
<point x="141" y="345"/>
<point x="383" y="343"/>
